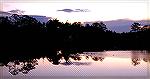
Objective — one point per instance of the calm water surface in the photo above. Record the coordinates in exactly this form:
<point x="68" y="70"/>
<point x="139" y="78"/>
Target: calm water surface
<point x="106" y="64"/>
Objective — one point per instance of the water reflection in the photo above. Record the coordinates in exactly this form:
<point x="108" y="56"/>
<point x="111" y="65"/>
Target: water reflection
<point x="24" y="67"/>
<point x="16" y="66"/>
<point x="138" y="56"/>
<point x="67" y="58"/>
<point x="76" y="63"/>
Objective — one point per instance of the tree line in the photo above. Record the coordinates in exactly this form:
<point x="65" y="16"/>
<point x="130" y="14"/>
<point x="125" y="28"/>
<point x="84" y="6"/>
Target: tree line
<point x="23" y="31"/>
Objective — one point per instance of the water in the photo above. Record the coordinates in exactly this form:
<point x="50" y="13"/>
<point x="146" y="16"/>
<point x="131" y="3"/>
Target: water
<point x="95" y="65"/>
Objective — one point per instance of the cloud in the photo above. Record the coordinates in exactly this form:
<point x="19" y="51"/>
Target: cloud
<point x="17" y="11"/>
<point x="66" y="10"/>
<point x="82" y="10"/>
<point x="75" y="10"/>
<point x="2" y="13"/>
<point x="8" y="13"/>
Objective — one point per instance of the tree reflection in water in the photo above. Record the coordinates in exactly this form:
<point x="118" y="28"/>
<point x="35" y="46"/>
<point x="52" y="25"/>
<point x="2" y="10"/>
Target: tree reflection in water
<point x="76" y="63"/>
<point x="97" y="58"/>
<point x="27" y="63"/>
<point x="136" y="61"/>
<point x="137" y="56"/>
<point x="146" y="59"/>
<point x="15" y="67"/>
<point x="76" y="57"/>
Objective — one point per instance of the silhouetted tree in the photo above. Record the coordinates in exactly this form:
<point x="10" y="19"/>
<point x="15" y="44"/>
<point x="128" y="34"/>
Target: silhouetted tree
<point x="52" y="25"/>
<point x="26" y="23"/>
<point x="5" y="24"/>
<point x="76" y="24"/>
<point x="87" y="25"/>
<point x="135" y="27"/>
<point x="69" y="35"/>
<point x="100" y="25"/>
<point x="145" y="28"/>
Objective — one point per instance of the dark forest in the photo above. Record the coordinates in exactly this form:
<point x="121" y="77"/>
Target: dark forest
<point x="22" y="32"/>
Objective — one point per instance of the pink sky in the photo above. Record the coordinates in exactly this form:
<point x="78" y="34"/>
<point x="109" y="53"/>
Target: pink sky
<point x="97" y="9"/>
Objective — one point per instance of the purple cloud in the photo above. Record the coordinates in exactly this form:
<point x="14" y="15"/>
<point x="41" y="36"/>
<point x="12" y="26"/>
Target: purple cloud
<point x="17" y="11"/>
<point x="76" y="10"/>
<point x="4" y="13"/>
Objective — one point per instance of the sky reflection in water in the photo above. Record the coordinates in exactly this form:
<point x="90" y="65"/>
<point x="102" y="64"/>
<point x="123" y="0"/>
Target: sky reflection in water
<point x="107" y="63"/>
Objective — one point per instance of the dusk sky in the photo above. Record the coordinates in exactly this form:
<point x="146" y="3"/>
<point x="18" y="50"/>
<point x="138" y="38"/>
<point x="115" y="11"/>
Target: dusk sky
<point x="81" y="10"/>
